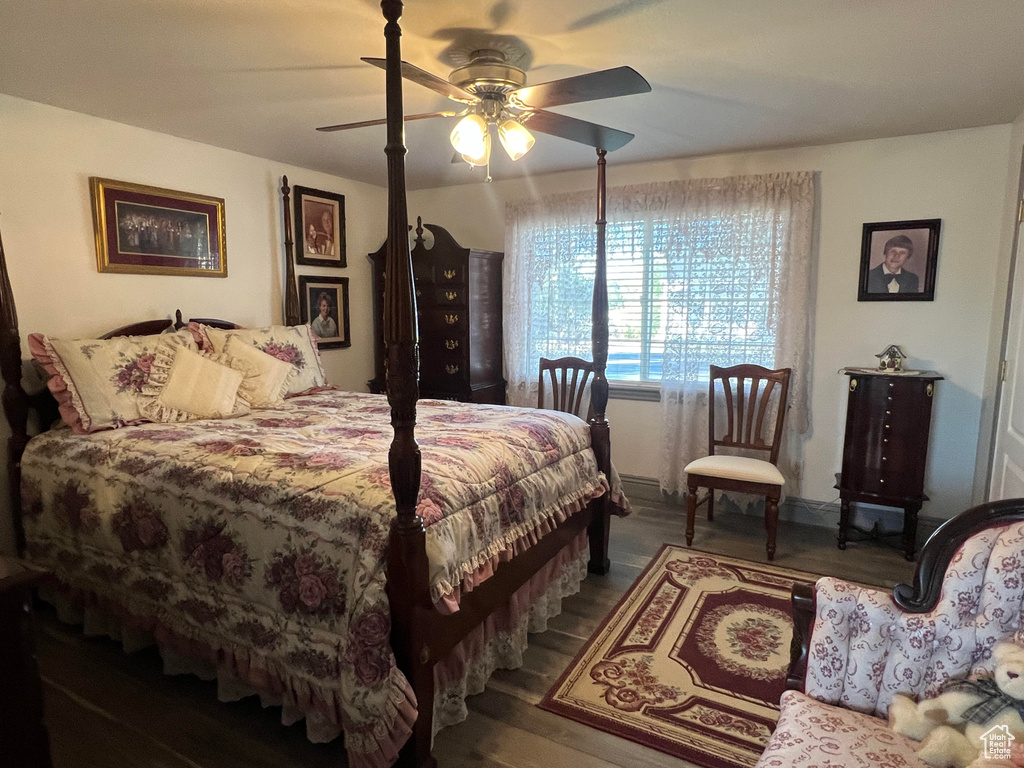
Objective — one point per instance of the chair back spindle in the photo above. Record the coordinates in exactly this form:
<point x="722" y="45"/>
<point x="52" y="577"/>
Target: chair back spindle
<point x="568" y="378"/>
<point x="749" y="393"/>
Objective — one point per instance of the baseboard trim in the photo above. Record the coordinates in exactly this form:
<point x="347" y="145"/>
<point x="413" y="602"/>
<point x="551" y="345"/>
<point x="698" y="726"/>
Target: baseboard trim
<point x="646" y="488"/>
<point x="795" y="509"/>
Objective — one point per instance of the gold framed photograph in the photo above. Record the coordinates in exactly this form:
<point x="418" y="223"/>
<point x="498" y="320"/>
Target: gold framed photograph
<point x="152" y="231"/>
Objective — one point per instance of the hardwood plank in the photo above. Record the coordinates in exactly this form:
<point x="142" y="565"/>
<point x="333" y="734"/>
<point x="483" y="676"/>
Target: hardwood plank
<point x="82" y="735"/>
<point x="498" y="705"/>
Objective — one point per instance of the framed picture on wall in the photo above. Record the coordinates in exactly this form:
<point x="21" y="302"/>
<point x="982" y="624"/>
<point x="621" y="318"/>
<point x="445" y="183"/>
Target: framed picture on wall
<point x="898" y="260"/>
<point x="324" y="305"/>
<point x="319" y="228"/>
<point x="154" y="231"/>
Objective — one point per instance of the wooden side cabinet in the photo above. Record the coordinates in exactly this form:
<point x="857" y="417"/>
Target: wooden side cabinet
<point x="23" y="738"/>
<point x="458" y="311"/>
<point x="885" y="448"/>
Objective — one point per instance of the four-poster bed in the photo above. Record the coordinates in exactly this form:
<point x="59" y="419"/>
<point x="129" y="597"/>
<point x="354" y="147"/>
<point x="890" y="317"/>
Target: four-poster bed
<point x="422" y="637"/>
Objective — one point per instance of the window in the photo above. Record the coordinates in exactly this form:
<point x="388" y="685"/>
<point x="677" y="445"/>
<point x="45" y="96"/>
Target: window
<point x="711" y="277"/>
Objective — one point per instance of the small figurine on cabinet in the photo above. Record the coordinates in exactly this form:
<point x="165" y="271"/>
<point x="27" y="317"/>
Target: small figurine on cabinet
<point x="891" y="358"/>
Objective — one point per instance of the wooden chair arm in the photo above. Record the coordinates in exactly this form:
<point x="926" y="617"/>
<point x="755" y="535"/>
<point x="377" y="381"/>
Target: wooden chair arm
<point x="803" y="616"/>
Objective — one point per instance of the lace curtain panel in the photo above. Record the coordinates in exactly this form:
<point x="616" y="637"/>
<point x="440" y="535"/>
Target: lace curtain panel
<point x="733" y="275"/>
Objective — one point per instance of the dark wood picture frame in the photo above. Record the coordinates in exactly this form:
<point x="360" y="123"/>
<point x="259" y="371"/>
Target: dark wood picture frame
<point x="311" y="288"/>
<point x="919" y="237"/>
<point x="320" y="210"/>
<point x="145" y="230"/>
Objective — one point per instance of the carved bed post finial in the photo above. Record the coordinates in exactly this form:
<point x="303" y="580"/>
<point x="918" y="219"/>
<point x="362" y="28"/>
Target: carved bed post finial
<point x="292" y="315"/>
<point x="408" y="576"/>
<point x="15" y="400"/>
<point x="600" y="434"/>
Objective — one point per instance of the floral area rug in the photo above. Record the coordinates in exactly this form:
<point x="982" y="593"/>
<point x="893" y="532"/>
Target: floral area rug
<point x="691" y="662"/>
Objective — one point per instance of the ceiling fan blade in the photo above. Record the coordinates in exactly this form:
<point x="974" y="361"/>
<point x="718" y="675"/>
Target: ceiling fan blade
<point x="580" y="131"/>
<point x="424" y="78"/>
<point x="621" y="81"/>
<point x="383" y="121"/>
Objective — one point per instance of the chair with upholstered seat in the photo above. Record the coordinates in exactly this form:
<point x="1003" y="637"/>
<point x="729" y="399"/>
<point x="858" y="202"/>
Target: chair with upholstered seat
<point x="568" y="377"/>
<point x="750" y="392"/>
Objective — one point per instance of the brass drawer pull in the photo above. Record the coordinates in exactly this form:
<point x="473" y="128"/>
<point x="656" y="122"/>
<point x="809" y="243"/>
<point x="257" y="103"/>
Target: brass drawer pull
<point x="452" y="369"/>
<point x="451" y="343"/>
<point x="929" y="389"/>
<point x="451" y="319"/>
<point x="449" y="274"/>
<point x="853" y="385"/>
<point x="451" y="295"/>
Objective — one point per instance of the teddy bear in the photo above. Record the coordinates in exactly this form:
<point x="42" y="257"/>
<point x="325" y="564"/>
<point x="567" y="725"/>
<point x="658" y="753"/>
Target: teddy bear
<point x="973" y="706"/>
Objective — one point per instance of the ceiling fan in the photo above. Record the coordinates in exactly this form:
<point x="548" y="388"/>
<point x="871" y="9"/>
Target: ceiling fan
<point x="495" y="93"/>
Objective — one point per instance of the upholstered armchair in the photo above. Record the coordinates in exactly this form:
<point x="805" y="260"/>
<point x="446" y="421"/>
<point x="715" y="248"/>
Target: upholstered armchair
<point x="854" y="648"/>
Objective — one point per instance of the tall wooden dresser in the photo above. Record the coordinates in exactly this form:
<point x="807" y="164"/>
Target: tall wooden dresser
<point x="458" y="302"/>
<point x="885" y="449"/>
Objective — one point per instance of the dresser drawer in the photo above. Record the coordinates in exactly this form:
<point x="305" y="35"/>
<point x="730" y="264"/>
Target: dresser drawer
<point x="443" y="322"/>
<point x="443" y="369"/>
<point x="450" y="296"/>
<point x="447" y="273"/>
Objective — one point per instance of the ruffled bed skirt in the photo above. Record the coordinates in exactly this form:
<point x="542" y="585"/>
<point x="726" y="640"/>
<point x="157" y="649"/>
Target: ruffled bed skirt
<point x="498" y="643"/>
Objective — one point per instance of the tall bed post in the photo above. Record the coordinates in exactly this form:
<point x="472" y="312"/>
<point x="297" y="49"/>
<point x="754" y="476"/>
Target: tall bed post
<point x="408" y="578"/>
<point x="600" y="436"/>
<point x="292" y="316"/>
<point x="15" y="400"/>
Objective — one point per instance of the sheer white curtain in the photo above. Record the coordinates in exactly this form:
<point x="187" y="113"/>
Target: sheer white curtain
<point x="550" y="247"/>
<point x="741" y="287"/>
<point x="730" y="279"/>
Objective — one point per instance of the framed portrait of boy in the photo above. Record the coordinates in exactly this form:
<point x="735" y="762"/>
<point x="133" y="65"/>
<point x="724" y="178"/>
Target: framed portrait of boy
<point x="898" y="260"/>
<point x="323" y="302"/>
<point x="319" y="228"/>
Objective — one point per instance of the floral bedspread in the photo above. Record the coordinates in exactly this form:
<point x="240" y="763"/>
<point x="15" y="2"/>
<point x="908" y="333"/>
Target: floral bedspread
<point x="264" y="537"/>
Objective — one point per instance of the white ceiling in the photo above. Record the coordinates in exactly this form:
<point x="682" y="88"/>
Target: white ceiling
<point x="259" y="75"/>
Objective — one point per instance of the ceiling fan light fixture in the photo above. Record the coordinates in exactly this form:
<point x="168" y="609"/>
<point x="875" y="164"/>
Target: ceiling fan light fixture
<point x="515" y="139"/>
<point x="469" y="136"/>
<point x="483" y="157"/>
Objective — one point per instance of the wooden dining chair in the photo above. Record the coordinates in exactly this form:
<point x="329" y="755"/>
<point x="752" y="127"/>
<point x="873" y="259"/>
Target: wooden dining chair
<point x="568" y="377"/>
<point x="749" y="392"/>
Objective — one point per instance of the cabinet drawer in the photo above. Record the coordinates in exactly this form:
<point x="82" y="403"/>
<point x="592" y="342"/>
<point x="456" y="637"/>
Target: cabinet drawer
<point x="450" y="296"/>
<point x="443" y="322"/>
<point x="443" y="369"/>
<point x="447" y="274"/>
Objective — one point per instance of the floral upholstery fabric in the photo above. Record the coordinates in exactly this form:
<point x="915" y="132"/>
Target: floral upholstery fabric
<point x="864" y="649"/>
<point x="264" y="537"/>
<point x="811" y="734"/>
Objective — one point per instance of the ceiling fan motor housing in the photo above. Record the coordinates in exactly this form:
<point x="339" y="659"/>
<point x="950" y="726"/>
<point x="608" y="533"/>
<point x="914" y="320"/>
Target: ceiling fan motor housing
<point x="488" y="72"/>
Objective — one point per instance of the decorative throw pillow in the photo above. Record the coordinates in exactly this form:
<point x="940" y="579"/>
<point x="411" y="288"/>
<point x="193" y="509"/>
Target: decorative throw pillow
<point x="96" y="382"/>
<point x="294" y="344"/>
<point x="268" y="383"/>
<point x="185" y="385"/>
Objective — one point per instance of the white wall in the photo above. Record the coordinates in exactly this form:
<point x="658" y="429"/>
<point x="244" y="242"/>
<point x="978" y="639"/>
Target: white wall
<point x="958" y="176"/>
<point x="46" y="158"/>
<point x="990" y="403"/>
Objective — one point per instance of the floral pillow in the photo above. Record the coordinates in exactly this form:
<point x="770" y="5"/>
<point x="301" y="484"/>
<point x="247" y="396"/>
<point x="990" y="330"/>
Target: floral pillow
<point x="185" y="385"/>
<point x="96" y="382"/>
<point x="294" y="344"/>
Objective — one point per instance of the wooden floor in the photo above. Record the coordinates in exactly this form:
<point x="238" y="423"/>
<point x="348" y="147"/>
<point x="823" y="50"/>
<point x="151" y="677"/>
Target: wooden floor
<point x="106" y="709"/>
